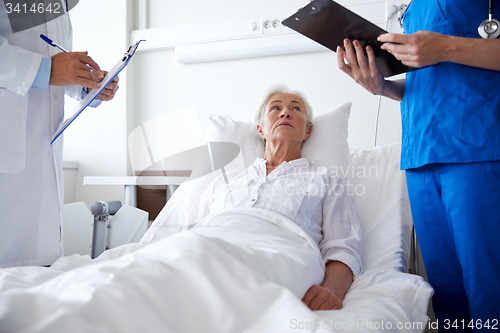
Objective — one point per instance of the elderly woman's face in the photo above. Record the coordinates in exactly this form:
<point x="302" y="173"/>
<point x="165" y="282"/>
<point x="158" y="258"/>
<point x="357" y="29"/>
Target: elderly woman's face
<point x="285" y="118"/>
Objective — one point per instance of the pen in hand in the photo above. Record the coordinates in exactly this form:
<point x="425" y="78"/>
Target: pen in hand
<point x="51" y="43"/>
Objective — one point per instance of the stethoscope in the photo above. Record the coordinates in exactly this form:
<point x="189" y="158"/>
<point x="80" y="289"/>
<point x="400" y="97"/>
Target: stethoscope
<point x="489" y="28"/>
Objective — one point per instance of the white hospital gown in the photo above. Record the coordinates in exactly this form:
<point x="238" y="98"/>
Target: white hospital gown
<point x="320" y="203"/>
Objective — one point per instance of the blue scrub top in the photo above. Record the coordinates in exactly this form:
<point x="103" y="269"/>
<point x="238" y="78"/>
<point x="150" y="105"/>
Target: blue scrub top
<point x="450" y="112"/>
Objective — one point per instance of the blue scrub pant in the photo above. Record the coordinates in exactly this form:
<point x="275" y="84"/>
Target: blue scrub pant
<point x="456" y="213"/>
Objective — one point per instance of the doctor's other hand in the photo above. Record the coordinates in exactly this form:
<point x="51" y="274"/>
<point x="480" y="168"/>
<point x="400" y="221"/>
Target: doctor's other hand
<point x="71" y="69"/>
<point x="364" y="73"/>
<point x="110" y="91"/>
<point x="322" y="298"/>
<point x="421" y="49"/>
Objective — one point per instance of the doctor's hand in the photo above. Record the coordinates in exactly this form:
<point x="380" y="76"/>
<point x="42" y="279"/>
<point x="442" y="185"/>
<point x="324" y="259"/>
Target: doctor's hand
<point x="365" y="74"/>
<point x="421" y="49"/>
<point x="110" y="91"/>
<point x="71" y="69"/>
<point x="322" y="298"/>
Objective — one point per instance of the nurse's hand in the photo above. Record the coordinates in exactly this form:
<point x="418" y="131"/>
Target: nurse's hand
<point x="421" y="49"/>
<point x="71" y="69"/>
<point x="109" y="92"/>
<point x="322" y="298"/>
<point x="365" y="74"/>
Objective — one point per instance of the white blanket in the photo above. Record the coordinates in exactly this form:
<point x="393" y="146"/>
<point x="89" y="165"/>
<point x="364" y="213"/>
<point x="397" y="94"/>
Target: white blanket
<point x="228" y="277"/>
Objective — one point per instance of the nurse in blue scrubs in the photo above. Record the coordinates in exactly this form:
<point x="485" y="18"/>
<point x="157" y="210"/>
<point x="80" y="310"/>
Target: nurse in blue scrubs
<point x="450" y="108"/>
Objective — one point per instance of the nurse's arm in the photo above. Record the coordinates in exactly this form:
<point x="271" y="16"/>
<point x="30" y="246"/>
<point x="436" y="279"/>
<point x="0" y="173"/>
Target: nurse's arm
<point x="425" y="48"/>
<point x="72" y="68"/>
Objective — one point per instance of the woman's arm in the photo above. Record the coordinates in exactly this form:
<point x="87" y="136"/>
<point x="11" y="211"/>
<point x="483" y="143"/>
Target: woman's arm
<point x="330" y="295"/>
<point x="426" y="48"/>
<point x="341" y="247"/>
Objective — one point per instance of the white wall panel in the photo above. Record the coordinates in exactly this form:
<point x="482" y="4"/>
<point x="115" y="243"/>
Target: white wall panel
<point x="235" y="87"/>
<point x="97" y="138"/>
<point x="154" y="83"/>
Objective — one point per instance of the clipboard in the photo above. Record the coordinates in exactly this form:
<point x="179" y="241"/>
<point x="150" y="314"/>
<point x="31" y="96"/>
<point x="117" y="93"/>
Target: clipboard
<point x="95" y="92"/>
<point x="329" y="23"/>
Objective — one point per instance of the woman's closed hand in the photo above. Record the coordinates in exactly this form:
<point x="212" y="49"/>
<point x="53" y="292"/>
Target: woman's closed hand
<point x="322" y="298"/>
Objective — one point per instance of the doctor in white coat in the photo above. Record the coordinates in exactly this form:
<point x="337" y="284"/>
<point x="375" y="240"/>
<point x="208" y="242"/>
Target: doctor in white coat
<point x="31" y="180"/>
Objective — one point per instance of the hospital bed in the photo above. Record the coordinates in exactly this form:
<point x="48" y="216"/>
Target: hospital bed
<point x="131" y="288"/>
<point x="105" y="226"/>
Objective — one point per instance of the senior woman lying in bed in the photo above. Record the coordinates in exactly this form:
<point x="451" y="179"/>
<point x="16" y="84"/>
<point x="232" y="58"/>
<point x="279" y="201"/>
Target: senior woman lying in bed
<point x="259" y="246"/>
<point x="284" y="183"/>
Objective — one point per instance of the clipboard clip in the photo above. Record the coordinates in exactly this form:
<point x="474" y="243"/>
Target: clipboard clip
<point x="131" y="50"/>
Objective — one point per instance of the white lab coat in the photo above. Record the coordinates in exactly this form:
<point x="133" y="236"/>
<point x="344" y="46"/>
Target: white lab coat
<point x="31" y="180"/>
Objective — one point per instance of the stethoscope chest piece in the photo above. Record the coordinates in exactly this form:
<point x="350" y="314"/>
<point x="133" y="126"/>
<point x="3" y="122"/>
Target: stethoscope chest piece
<point x="489" y="28"/>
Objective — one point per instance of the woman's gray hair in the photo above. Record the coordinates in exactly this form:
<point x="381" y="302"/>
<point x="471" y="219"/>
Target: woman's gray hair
<point x="283" y="89"/>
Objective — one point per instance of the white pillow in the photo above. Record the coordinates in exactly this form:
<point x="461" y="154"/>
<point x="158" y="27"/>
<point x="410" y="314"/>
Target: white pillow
<point x="244" y="134"/>
<point x="326" y="146"/>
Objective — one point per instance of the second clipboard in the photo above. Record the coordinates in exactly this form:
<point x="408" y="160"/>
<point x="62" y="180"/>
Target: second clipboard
<point x="329" y="23"/>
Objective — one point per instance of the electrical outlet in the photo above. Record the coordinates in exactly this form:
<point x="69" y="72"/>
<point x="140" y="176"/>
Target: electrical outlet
<point x="271" y="25"/>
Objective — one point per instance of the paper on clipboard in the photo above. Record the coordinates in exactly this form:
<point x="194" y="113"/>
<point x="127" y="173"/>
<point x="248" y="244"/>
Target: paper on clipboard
<point x="95" y="92"/>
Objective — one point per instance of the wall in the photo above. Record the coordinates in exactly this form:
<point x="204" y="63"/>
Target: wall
<point x="154" y="83"/>
<point x="235" y="87"/>
<point x="97" y="138"/>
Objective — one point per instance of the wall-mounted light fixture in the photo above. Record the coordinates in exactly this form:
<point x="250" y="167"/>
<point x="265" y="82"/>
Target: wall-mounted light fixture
<point x="246" y="48"/>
